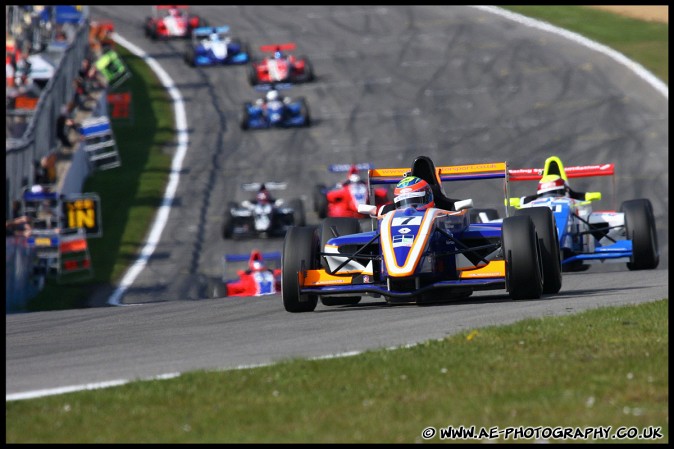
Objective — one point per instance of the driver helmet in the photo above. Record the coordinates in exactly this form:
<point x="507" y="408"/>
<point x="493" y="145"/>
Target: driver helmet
<point x="278" y="54"/>
<point x="551" y="185"/>
<point x="214" y="37"/>
<point x="256" y="262"/>
<point x="262" y="197"/>
<point x="353" y="174"/>
<point x="272" y="95"/>
<point x="413" y="192"/>
<point x="173" y="12"/>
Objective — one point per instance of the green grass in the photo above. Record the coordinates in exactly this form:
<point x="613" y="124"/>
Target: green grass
<point x="642" y="41"/>
<point x="603" y="367"/>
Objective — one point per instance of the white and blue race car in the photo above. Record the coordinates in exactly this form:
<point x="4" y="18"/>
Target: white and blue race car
<point x="275" y="110"/>
<point x="588" y="236"/>
<point x="214" y="46"/>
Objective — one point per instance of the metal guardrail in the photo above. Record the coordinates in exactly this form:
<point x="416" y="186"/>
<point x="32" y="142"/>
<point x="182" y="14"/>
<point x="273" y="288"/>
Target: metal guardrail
<point x="39" y="137"/>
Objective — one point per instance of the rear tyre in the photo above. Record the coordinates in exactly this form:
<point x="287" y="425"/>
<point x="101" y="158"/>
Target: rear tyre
<point x="548" y="240"/>
<point x="308" y="70"/>
<point x="524" y="271"/>
<point x="228" y="223"/>
<point x="300" y="252"/>
<point x="299" y="218"/>
<point x="252" y="74"/>
<point x="320" y="201"/>
<point x="640" y="228"/>
<point x="304" y="111"/>
<point x="245" y="117"/>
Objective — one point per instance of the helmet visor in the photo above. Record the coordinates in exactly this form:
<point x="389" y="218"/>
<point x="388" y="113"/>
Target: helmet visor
<point x="413" y="199"/>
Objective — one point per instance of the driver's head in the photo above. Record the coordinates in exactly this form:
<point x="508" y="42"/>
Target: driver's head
<point x="413" y="192"/>
<point x="551" y="185"/>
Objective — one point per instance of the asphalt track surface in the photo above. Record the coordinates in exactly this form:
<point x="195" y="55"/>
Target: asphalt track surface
<point x="454" y="83"/>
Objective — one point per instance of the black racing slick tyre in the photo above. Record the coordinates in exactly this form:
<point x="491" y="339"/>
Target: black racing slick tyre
<point x="640" y="228"/>
<point x="524" y="271"/>
<point x="228" y="222"/>
<point x="304" y="111"/>
<point x="300" y="252"/>
<point x="548" y="239"/>
<point x="299" y="217"/>
<point x="320" y="201"/>
<point x="252" y="74"/>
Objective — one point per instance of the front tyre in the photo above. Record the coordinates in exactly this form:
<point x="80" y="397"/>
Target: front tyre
<point x="546" y="230"/>
<point x="524" y="271"/>
<point x="640" y="228"/>
<point x="300" y="252"/>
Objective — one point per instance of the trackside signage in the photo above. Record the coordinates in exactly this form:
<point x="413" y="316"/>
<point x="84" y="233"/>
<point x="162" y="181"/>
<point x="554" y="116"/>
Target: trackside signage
<point x="83" y="211"/>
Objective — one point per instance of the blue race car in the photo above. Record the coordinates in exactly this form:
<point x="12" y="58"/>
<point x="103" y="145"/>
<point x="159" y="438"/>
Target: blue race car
<point x="275" y="111"/>
<point x="214" y="46"/>
<point x="415" y="256"/>
<point x="591" y="236"/>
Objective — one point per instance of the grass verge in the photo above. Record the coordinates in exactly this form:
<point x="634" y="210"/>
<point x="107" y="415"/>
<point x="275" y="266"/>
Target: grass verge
<point x="604" y="367"/>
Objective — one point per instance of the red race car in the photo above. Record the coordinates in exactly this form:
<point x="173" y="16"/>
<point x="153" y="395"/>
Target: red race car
<point x="259" y="279"/>
<point x="168" y="21"/>
<point x="280" y="67"/>
<point x="343" y="199"/>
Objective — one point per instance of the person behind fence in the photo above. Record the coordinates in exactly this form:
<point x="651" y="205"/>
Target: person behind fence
<point x="64" y="124"/>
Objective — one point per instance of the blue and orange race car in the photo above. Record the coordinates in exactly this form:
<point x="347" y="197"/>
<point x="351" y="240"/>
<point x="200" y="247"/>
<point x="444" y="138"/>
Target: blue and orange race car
<point x="426" y="255"/>
<point x="214" y="46"/>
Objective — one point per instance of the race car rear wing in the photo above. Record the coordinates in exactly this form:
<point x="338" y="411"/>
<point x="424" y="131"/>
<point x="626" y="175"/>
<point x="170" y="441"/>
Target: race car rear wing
<point x="343" y="168"/>
<point x="445" y="173"/>
<point x="207" y="31"/>
<point x="580" y="171"/>
<point x="288" y="46"/>
<point x="273" y="255"/>
<point x="271" y="185"/>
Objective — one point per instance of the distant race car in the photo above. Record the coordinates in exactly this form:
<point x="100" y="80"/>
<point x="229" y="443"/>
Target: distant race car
<point x="263" y="215"/>
<point x="343" y="198"/>
<point x="585" y="235"/>
<point x="214" y="46"/>
<point x="261" y="278"/>
<point x="279" y="67"/>
<point x="171" y="21"/>
<point x="275" y="111"/>
<point x="415" y="256"/>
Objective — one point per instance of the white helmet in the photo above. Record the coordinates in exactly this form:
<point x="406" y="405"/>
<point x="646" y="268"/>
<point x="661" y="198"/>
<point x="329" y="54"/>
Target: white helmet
<point x="354" y="178"/>
<point x="272" y="95"/>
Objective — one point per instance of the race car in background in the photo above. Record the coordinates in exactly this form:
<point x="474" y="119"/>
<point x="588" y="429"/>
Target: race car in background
<point x="585" y="235"/>
<point x="275" y="110"/>
<point x="415" y="256"/>
<point x="262" y="277"/>
<point x="280" y="67"/>
<point x="262" y="215"/>
<point x="343" y="198"/>
<point x="171" y="21"/>
<point x="214" y="46"/>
